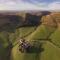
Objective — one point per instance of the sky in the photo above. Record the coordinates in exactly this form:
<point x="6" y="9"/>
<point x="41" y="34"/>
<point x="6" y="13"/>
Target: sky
<point x="29" y="5"/>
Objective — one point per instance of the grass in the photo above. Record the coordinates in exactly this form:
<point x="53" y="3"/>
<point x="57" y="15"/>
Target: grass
<point x="4" y="43"/>
<point x="3" y="39"/>
<point x="17" y="55"/>
<point x="12" y="37"/>
<point x="24" y="31"/>
<point x="55" y="37"/>
<point x="31" y="33"/>
<point x="50" y="52"/>
<point x="42" y="32"/>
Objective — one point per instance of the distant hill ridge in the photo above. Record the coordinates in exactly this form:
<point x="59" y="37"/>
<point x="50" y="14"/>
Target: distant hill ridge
<point x="31" y="18"/>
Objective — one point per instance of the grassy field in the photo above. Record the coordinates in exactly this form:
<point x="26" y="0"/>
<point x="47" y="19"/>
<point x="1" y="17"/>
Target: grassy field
<point x="42" y="32"/>
<point x="55" y="37"/>
<point x="25" y="31"/>
<point x="51" y="48"/>
<point x="50" y="52"/>
<point x="5" y="36"/>
<point x="3" y="39"/>
<point x="17" y="55"/>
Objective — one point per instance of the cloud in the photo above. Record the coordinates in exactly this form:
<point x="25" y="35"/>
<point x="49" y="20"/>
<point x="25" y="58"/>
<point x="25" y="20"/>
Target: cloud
<point x="54" y="6"/>
<point x="11" y="5"/>
<point x="21" y="5"/>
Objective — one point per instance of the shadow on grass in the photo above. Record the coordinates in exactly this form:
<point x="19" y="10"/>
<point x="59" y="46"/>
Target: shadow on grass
<point x="35" y="49"/>
<point x="5" y="51"/>
<point x="34" y="52"/>
<point x="8" y="52"/>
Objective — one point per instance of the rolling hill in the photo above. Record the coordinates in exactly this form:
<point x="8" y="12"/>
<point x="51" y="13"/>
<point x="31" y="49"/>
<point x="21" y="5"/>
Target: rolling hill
<point x="38" y="26"/>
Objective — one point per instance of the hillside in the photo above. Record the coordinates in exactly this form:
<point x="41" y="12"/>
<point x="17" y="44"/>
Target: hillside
<point x="41" y="26"/>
